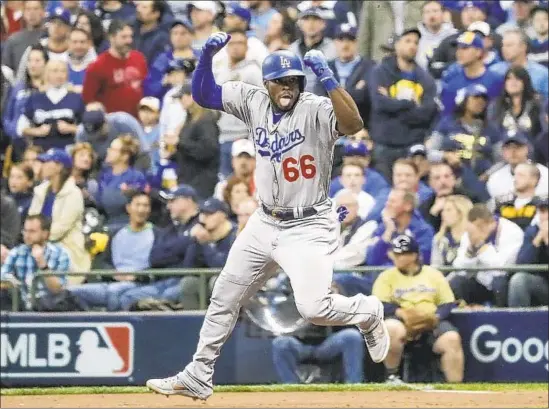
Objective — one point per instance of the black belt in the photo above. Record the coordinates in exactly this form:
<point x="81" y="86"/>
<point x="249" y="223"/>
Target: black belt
<point x="288" y="214"/>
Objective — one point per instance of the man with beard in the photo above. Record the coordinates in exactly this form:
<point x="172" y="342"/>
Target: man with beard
<point x="403" y="103"/>
<point x="115" y="78"/>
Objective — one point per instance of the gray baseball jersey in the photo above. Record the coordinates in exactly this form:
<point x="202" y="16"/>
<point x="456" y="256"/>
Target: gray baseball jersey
<point x="293" y="156"/>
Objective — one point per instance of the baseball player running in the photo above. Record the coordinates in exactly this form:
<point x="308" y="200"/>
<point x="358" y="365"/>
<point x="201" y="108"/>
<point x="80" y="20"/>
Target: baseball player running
<point x="295" y="226"/>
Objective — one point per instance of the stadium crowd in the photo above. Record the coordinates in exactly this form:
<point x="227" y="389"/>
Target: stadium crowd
<point x="109" y="163"/>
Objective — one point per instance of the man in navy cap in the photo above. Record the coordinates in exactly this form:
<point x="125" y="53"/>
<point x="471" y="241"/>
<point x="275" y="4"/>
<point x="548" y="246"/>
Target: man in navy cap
<point x="351" y="70"/>
<point x="358" y="151"/>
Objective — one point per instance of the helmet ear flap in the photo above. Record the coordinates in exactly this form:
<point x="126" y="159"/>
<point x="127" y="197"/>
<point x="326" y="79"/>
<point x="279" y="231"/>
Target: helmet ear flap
<point x="302" y="83"/>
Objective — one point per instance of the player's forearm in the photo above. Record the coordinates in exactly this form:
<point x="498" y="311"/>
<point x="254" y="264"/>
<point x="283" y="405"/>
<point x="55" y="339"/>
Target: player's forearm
<point x="205" y="90"/>
<point x="348" y="118"/>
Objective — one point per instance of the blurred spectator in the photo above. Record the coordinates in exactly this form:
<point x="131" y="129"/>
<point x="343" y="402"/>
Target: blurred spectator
<point x="262" y="14"/>
<point x="20" y="184"/>
<point x="521" y="18"/>
<point x="179" y="57"/>
<point x="469" y="55"/>
<point x="414" y="289"/>
<point x="515" y="54"/>
<point x="237" y="18"/>
<point x="178" y="7"/>
<point x="418" y="155"/>
<point x="81" y="54"/>
<point x="10" y="228"/>
<point x="197" y="152"/>
<point x="118" y="179"/>
<point x="396" y="16"/>
<point x="101" y="129"/>
<point x="403" y="103"/>
<point x="148" y="114"/>
<point x="351" y="70"/>
<point x="241" y="69"/>
<point x="110" y="10"/>
<point x="335" y="14"/>
<point x="30" y="158"/>
<point x="539" y="43"/>
<point x="128" y="251"/>
<point x="358" y="151"/>
<point x="37" y="254"/>
<point x="399" y="217"/>
<point x="20" y="93"/>
<point x="244" y="211"/>
<point x="59" y="199"/>
<point x="518" y="109"/>
<point x="444" y="184"/>
<point x="345" y="347"/>
<point x="12" y="18"/>
<point x="452" y="228"/>
<point x="433" y="30"/>
<point x="243" y="164"/>
<point x="478" y="138"/>
<point x="173" y="115"/>
<point x="213" y="237"/>
<point x="83" y="166"/>
<point x="490" y="242"/>
<point x="92" y="25"/>
<point x="406" y="177"/>
<point x="355" y="235"/>
<point x="16" y="45"/>
<point x="532" y="289"/>
<point x="352" y="179"/>
<point x="520" y="206"/>
<point x="202" y="14"/>
<point x="72" y="6"/>
<point x="281" y="32"/>
<point x="115" y="78"/>
<point x="311" y="24"/>
<point x="541" y="142"/>
<point x="150" y="34"/>
<point x="236" y="191"/>
<point x="57" y="41"/>
<point x="51" y="117"/>
<point x="515" y="151"/>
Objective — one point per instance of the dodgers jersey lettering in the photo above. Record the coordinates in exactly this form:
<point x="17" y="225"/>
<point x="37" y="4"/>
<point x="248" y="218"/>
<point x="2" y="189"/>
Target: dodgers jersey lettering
<point x="294" y="156"/>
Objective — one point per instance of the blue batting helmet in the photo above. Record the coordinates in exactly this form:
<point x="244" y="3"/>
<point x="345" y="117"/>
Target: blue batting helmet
<point x="282" y="64"/>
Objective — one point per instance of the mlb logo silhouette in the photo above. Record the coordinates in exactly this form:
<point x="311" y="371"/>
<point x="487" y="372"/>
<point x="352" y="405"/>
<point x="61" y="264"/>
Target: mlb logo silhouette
<point x="284" y="62"/>
<point x="66" y="350"/>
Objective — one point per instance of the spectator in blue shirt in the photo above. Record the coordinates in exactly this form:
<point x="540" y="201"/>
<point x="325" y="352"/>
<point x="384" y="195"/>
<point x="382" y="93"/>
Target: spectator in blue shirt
<point x="92" y="25"/>
<point x="335" y="13"/>
<point x="35" y="255"/>
<point x="148" y="114"/>
<point x="358" y="151"/>
<point x="118" y="179"/>
<point x="81" y="54"/>
<point x="109" y="10"/>
<point x="469" y="55"/>
<point x="262" y="14"/>
<point x="539" y="45"/>
<point x="515" y="53"/>
<point x="150" y="33"/>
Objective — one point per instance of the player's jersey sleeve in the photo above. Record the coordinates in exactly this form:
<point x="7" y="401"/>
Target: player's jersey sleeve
<point x="239" y="99"/>
<point x="325" y="122"/>
<point x="382" y="287"/>
<point x="445" y="294"/>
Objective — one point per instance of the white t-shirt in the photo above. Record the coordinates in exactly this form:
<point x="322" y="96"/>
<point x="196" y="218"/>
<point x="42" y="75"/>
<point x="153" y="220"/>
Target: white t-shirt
<point x="501" y="182"/>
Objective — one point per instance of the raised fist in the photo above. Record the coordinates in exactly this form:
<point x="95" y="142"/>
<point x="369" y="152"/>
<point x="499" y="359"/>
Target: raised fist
<point x="215" y="43"/>
<point x="316" y="61"/>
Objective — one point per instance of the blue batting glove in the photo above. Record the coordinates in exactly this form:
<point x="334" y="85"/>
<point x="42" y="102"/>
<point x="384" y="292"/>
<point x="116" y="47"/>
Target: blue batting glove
<point x="215" y="43"/>
<point x="342" y="213"/>
<point x="316" y="61"/>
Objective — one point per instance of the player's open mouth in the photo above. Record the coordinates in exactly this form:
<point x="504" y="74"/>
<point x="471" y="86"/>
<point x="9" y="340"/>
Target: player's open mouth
<point x="285" y="99"/>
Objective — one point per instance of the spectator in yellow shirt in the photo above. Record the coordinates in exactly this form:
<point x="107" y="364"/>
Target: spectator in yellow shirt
<point x="418" y="301"/>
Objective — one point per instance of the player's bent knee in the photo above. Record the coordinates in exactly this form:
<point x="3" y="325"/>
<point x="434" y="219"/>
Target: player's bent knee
<point x="449" y="341"/>
<point x="314" y="312"/>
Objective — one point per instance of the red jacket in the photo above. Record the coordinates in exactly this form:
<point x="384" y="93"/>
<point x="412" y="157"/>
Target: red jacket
<point x="116" y="83"/>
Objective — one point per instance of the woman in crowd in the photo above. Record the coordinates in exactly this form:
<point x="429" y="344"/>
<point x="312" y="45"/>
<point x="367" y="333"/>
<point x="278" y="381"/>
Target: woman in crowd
<point x="197" y="154"/>
<point x="20" y="93"/>
<point x="30" y="159"/>
<point x="519" y="108"/>
<point x="59" y="198"/>
<point x="91" y="24"/>
<point x="84" y="159"/>
<point x="235" y="192"/>
<point x="52" y="116"/>
<point x="454" y="222"/>
<point x="20" y="185"/>
<point x="119" y="178"/>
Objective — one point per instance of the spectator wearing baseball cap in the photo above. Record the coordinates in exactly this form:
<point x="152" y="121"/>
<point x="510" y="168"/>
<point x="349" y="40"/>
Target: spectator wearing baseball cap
<point x="243" y="166"/>
<point x="539" y="43"/>
<point x="202" y="14"/>
<point x="357" y="151"/>
<point x="532" y="289"/>
<point x="469" y="55"/>
<point x="335" y="13"/>
<point x="403" y="103"/>
<point x="351" y="70"/>
<point x="148" y="114"/>
<point x="418" y="154"/>
<point x="521" y="12"/>
<point x="59" y="199"/>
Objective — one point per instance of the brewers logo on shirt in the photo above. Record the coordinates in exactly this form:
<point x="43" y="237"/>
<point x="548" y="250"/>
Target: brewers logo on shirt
<point x="66" y="350"/>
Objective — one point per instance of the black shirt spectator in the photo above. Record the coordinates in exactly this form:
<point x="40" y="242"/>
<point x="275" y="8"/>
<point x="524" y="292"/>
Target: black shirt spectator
<point x="91" y="24"/>
<point x="150" y="31"/>
<point x="10" y="228"/>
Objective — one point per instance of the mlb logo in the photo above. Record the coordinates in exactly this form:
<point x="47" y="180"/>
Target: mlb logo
<point x="84" y="350"/>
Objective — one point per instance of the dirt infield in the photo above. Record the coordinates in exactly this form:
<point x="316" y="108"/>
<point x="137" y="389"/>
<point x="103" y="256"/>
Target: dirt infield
<point x="395" y="399"/>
